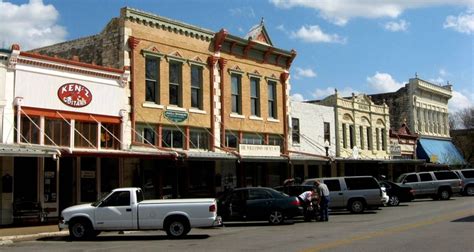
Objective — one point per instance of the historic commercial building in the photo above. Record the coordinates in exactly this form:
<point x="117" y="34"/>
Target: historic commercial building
<point x="217" y="102"/>
<point x="58" y="117"/>
<point x="424" y="108"/>
<point x="312" y="140"/>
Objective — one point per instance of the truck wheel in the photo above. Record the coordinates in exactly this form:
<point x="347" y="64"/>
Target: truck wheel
<point x="444" y="194"/>
<point x="276" y="217"/>
<point x="177" y="228"/>
<point x="356" y="206"/>
<point x="469" y="190"/>
<point x="80" y="230"/>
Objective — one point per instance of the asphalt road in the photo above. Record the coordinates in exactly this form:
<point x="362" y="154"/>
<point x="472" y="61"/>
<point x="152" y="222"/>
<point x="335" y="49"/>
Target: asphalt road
<point x="422" y="225"/>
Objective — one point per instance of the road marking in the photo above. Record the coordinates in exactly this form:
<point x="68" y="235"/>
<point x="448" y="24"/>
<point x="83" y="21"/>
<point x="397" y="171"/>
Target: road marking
<point x="389" y="231"/>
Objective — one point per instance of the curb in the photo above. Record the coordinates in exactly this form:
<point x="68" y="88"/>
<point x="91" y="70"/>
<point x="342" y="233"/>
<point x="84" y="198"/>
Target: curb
<point x="7" y="240"/>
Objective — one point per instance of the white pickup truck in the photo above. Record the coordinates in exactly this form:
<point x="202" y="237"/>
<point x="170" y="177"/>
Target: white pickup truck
<point x="125" y="209"/>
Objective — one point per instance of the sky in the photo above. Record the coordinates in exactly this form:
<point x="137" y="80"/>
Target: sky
<point x="354" y="46"/>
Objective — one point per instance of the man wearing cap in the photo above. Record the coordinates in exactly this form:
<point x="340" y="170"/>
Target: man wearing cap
<point x="323" y="200"/>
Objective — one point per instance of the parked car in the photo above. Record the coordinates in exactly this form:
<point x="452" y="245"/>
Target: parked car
<point x="125" y="209"/>
<point x="467" y="178"/>
<point x="354" y="193"/>
<point x="397" y="193"/>
<point x="257" y="204"/>
<point x="437" y="184"/>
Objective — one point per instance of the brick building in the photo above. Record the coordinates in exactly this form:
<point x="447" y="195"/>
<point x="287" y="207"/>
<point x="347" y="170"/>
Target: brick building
<point x="218" y="102"/>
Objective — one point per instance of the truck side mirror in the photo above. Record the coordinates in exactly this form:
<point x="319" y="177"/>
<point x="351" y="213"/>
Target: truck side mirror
<point x="404" y="181"/>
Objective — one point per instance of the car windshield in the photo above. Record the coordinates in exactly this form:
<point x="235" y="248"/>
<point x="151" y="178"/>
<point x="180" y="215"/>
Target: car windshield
<point x="100" y="200"/>
<point x="401" y="178"/>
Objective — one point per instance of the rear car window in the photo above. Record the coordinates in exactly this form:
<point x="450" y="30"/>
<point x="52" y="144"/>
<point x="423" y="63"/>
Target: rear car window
<point x="411" y="178"/>
<point x="425" y="177"/>
<point x="333" y="184"/>
<point x="468" y="174"/>
<point x="361" y="183"/>
<point x="443" y="175"/>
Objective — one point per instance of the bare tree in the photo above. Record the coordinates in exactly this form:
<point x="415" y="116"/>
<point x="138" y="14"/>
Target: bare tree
<point x="462" y="132"/>
<point x="462" y="119"/>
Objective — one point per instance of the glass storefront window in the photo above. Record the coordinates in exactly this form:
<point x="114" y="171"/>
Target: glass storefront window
<point x="88" y="130"/>
<point x="50" y="194"/>
<point x="109" y="135"/>
<point x="57" y="132"/>
<point x="88" y="179"/>
<point x="30" y="133"/>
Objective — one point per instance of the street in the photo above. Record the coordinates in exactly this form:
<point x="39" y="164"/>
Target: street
<point x="422" y="225"/>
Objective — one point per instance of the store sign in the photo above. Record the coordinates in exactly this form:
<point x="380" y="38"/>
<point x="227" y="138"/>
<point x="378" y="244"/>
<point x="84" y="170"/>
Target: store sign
<point x="88" y="174"/>
<point x="176" y="116"/>
<point x="75" y="95"/>
<point x="395" y="150"/>
<point x="259" y="150"/>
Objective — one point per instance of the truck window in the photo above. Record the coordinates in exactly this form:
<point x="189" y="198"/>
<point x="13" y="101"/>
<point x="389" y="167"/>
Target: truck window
<point x="468" y="174"/>
<point x="425" y="177"/>
<point x="411" y="178"/>
<point x="140" y="197"/>
<point x="443" y="175"/>
<point x="333" y="184"/>
<point x="117" y="199"/>
<point x="361" y="183"/>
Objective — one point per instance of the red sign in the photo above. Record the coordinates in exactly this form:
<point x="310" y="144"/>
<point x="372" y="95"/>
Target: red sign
<point x="75" y="95"/>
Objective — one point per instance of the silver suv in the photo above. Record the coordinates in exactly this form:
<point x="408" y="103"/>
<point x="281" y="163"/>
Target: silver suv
<point x="354" y="193"/>
<point x="467" y="177"/>
<point x="437" y="184"/>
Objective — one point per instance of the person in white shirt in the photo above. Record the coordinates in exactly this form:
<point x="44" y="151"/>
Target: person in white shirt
<point x="306" y="198"/>
<point x="323" y="200"/>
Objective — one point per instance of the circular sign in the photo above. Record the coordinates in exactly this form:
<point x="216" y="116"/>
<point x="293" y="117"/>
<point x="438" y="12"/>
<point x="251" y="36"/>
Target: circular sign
<point x="176" y="116"/>
<point x="74" y="95"/>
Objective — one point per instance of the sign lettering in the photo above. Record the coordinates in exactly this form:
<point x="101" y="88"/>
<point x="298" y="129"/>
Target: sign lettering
<point x="74" y="95"/>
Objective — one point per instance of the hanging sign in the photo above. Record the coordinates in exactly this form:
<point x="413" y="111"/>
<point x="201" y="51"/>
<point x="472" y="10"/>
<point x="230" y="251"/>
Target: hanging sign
<point x="395" y="150"/>
<point x="176" y="116"/>
<point x="75" y="95"/>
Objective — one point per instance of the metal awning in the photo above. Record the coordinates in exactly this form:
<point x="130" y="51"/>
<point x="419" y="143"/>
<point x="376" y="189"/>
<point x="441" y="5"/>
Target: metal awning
<point x="439" y="151"/>
<point x="263" y="159"/>
<point x="16" y="150"/>
<point x="208" y="155"/>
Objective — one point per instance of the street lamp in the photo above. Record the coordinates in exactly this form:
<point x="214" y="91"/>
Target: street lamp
<point x="326" y="146"/>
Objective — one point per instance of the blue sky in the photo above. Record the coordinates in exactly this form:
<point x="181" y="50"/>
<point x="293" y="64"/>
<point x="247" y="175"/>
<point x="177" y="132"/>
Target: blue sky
<point x="361" y="46"/>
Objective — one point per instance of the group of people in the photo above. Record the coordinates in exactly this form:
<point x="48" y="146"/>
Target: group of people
<point x="321" y="192"/>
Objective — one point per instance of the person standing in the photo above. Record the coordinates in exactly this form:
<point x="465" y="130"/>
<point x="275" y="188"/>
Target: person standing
<point x="323" y="200"/>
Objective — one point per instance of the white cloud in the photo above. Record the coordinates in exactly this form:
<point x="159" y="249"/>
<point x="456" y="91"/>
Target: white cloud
<point x="463" y="23"/>
<point x="297" y="97"/>
<point x="30" y="25"/>
<point x="323" y="93"/>
<point x="281" y="28"/>
<point x="246" y="12"/>
<point x="443" y="72"/>
<point x="340" y="12"/>
<point x="314" y="34"/>
<point x="383" y="82"/>
<point x="459" y="101"/>
<point x="307" y="73"/>
<point x="394" y="26"/>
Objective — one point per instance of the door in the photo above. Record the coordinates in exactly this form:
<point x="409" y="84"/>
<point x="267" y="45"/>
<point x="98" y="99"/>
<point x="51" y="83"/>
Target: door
<point x="115" y="212"/>
<point x="335" y="193"/>
<point x="426" y="185"/>
<point x="236" y="205"/>
<point x="412" y="181"/>
<point x="259" y="204"/>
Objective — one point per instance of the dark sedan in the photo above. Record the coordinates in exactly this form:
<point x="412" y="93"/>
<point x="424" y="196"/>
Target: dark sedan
<point x="397" y="193"/>
<point x="257" y="204"/>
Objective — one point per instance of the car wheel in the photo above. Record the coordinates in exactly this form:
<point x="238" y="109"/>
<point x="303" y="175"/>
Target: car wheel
<point x="444" y="194"/>
<point x="394" y="201"/>
<point x="356" y="206"/>
<point x="177" y="228"/>
<point x="276" y="217"/>
<point x="470" y="191"/>
<point x="80" y="230"/>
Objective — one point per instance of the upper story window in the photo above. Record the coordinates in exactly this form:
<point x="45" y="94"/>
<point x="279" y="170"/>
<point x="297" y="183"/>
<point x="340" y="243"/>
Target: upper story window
<point x="175" y="84"/>
<point x="272" y="104"/>
<point x="231" y="139"/>
<point x="57" y="132"/>
<point x="109" y="135"/>
<point x="199" y="139"/>
<point x="30" y="132"/>
<point x="145" y="134"/>
<point x="255" y="96"/>
<point x="152" y="73"/>
<point x="252" y="139"/>
<point x="327" y="132"/>
<point x="172" y="138"/>
<point x="295" y="132"/>
<point x="85" y="134"/>
<point x="236" y="82"/>
<point x="196" y="86"/>
<point x="344" y="135"/>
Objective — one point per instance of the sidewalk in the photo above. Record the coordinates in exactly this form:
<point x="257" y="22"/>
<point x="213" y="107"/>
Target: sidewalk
<point x="10" y="234"/>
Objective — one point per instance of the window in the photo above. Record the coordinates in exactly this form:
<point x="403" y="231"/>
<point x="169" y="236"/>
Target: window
<point x="252" y="139"/>
<point x="327" y="132"/>
<point x="411" y="178"/>
<point x="333" y="184"/>
<point x="254" y="96"/>
<point x="361" y="183"/>
<point x="172" y="138"/>
<point x="118" y="199"/>
<point x="152" y="72"/>
<point x="109" y="135"/>
<point x="361" y="132"/>
<point x="443" y="175"/>
<point x="272" y="108"/>
<point x="29" y="131"/>
<point x="231" y="139"/>
<point x="425" y="177"/>
<point x="199" y="139"/>
<point x="384" y="145"/>
<point x="58" y="131"/>
<point x="175" y="77"/>
<point x="377" y="138"/>
<point x="196" y="86"/>
<point x="369" y="138"/>
<point x="276" y="140"/>
<point x="468" y="174"/>
<point x="85" y="130"/>
<point x="257" y="194"/>
<point x="236" y="93"/>
<point x="352" y="135"/>
<point x="146" y="134"/>
<point x="295" y="132"/>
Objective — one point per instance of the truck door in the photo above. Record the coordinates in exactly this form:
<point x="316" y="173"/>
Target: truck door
<point x="412" y="181"/>
<point x="335" y="193"/>
<point x="115" y="212"/>
<point x="427" y="184"/>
